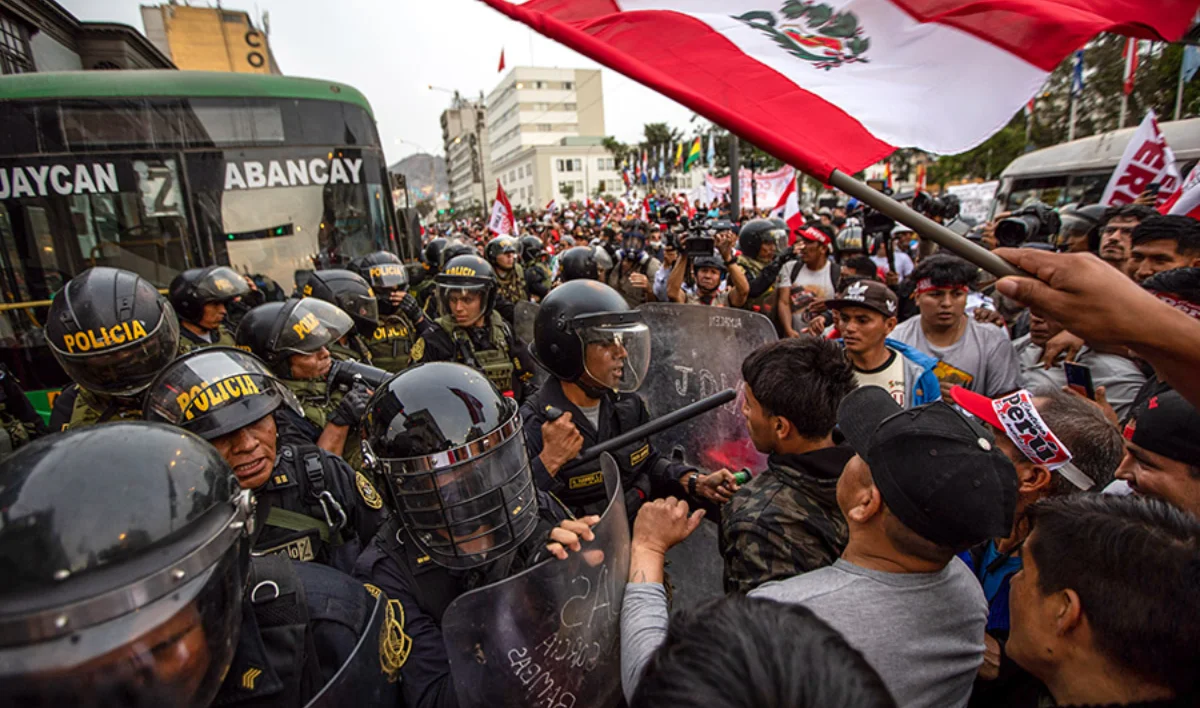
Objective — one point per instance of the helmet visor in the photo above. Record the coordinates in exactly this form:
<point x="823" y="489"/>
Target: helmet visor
<point x="462" y="295"/>
<point x="310" y="325"/>
<point x="471" y="512"/>
<point x="362" y="307"/>
<point x="215" y="391"/>
<point x="221" y="284"/>
<point x="387" y="275"/>
<point x="121" y="360"/>
<point x="616" y="354"/>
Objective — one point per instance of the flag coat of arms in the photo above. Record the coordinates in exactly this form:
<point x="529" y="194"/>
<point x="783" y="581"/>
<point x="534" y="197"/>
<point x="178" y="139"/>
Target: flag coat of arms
<point x="840" y="84"/>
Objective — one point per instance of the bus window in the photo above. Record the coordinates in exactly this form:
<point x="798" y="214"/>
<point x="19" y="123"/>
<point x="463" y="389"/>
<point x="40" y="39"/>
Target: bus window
<point x="1086" y="189"/>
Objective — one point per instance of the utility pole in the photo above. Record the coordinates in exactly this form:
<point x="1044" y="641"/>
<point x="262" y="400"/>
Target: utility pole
<point x="735" y="181"/>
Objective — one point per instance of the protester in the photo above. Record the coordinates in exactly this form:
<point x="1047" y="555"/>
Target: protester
<point x="1063" y="423"/>
<point x="806" y="284"/>
<point x="786" y="520"/>
<point x="901" y="235"/>
<point x="971" y="354"/>
<point x="1162" y="452"/>
<point x="670" y="257"/>
<point x="633" y="274"/>
<point x="865" y="314"/>
<point x="1179" y="288"/>
<point x="897" y="593"/>
<point x="1116" y="232"/>
<point x="1161" y="243"/>
<point x="1106" y="608"/>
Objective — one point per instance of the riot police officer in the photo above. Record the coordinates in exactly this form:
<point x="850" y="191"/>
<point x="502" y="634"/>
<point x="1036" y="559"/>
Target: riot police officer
<point x="472" y="332"/>
<point x="598" y="350"/>
<point x="758" y="241"/>
<point x="350" y="292"/>
<point x="465" y="512"/>
<point x="578" y="263"/>
<point x="201" y="297"/>
<point x="537" y="275"/>
<point x="453" y="249"/>
<point x="19" y="422"/>
<point x="321" y="510"/>
<point x="128" y="581"/>
<point x="431" y="265"/>
<point x="391" y="342"/>
<point x="501" y="254"/>
<point x="293" y="338"/>
<point x="111" y="332"/>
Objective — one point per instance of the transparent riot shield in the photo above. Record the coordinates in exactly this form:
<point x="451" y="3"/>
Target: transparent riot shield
<point x="696" y="351"/>
<point x="548" y="636"/>
<point x="524" y="317"/>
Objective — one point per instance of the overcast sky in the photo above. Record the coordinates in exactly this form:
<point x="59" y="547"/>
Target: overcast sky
<point x="391" y="50"/>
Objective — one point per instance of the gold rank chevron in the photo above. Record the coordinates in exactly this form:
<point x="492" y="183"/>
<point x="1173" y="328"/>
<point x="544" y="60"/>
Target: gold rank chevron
<point x="250" y="677"/>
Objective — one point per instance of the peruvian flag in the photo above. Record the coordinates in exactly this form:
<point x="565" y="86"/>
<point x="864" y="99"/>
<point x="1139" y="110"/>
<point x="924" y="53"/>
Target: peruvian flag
<point x="788" y="207"/>
<point x="1186" y="201"/>
<point x="920" y="185"/>
<point x="501" y="68"/>
<point x="644" y="215"/>
<point x="549" y="209"/>
<point x="1131" y="63"/>
<point x="839" y="84"/>
<point x="503" y="221"/>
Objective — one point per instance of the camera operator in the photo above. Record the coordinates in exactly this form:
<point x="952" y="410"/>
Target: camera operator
<point x="943" y="210"/>
<point x="1034" y="223"/>
<point x="708" y="270"/>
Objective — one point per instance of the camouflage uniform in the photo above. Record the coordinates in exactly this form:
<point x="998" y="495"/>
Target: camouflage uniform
<point x="511" y="286"/>
<point x="319" y="403"/>
<point x="188" y="341"/>
<point x="94" y="409"/>
<point x="785" y="521"/>
<point x="19" y="422"/>
<point x="353" y="348"/>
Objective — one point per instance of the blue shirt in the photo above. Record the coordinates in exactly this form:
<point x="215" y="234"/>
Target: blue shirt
<point x="995" y="581"/>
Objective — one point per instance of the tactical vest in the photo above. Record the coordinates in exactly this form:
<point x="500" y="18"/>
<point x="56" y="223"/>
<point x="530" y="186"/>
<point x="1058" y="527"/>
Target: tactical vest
<point x="355" y="349"/>
<point x="512" y="286"/>
<point x="318" y="404"/>
<point x="424" y="294"/>
<point x="224" y="339"/>
<point x="763" y="304"/>
<point x="543" y="274"/>
<point x="306" y="521"/>
<point x="391" y="343"/>
<point x="94" y="409"/>
<point x="496" y="363"/>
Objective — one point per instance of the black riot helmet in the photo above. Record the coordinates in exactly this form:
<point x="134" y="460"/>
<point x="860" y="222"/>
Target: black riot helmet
<point x="192" y="289"/>
<point x="578" y="263"/>
<point x="383" y="271"/>
<point x="454" y="250"/>
<point x="452" y="456"/>
<point x="532" y="249"/>
<point x="214" y="391"/>
<point x="470" y="274"/>
<point x="708" y="262"/>
<point x="349" y="291"/>
<point x="1082" y="220"/>
<point x="498" y="245"/>
<point x="124" y="552"/>
<point x="431" y="255"/>
<point x="754" y="234"/>
<point x="586" y="327"/>
<point x="111" y="331"/>
<point x="276" y="330"/>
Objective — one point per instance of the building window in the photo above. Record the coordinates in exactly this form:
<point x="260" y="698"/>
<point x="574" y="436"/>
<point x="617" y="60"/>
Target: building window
<point x="579" y="186"/>
<point x="600" y="187"/>
<point x="15" y="55"/>
<point x="567" y="85"/>
<point x="232" y="17"/>
<point x="543" y="127"/>
<point x="539" y="84"/>
<point x="569" y="106"/>
<point x="512" y="175"/>
<point x="578" y="165"/>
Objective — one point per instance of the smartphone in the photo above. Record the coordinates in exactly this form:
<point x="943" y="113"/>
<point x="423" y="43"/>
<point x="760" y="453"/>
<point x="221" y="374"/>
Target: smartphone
<point x="1153" y="188"/>
<point x="1079" y="379"/>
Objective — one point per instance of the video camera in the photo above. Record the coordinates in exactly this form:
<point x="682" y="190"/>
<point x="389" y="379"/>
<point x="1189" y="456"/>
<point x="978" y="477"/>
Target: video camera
<point x="945" y="207"/>
<point x="701" y="242"/>
<point x="345" y="373"/>
<point x="1035" y="223"/>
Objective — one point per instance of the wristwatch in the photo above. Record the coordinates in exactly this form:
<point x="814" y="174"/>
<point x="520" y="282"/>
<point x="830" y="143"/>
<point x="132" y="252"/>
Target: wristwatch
<point x="731" y="261"/>
<point x="692" y="478"/>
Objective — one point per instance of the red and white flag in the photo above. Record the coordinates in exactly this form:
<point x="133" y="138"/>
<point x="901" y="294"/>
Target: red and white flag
<point x="788" y="207"/>
<point x="1186" y="201"/>
<point x="503" y="221"/>
<point x="501" y="61"/>
<point x="865" y="75"/>
<point x="1147" y="159"/>
<point x="644" y="214"/>
<point x="550" y="207"/>
<point x="1131" y="63"/>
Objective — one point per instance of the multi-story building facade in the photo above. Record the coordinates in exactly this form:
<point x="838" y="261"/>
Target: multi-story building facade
<point x="468" y="154"/>
<point x="39" y="35"/>
<point x="572" y="170"/>
<point x="209" y="38"/>
<point x="542" y="106"/>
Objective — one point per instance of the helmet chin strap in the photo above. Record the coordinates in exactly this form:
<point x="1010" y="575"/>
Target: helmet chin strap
<point x="590" y="387"/>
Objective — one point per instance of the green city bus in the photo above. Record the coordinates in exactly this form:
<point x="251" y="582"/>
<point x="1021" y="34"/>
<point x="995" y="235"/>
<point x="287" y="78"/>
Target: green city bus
<point x="159" y="171"/>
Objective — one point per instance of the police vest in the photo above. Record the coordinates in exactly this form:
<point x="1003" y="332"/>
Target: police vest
<point x="188" y="341"/>
<point x="391" y="343"/>
<point x="318" y="403"/>
<point x="424" y="294"/>
<point x="765" y="303"/>
<point x="93" y="409"/>
<point x="307" y="519"/>
<point x="496" y="362"/>
<point x="512" y="286"/>
<point x="543" y="274"/>
<point x="355" y="349"/>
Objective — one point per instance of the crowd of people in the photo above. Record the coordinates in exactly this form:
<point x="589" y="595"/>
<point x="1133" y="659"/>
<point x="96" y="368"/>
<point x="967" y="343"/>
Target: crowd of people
<point x="977" y="492"/>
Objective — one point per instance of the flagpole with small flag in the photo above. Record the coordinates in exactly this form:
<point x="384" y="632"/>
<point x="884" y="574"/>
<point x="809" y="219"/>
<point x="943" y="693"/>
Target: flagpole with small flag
<point x="1188" y="65"/>
<point x="1131" y="63"/>
<point x="501" y="61"/>
<point x="693" y="154"/>
<point x="1076" y="92"/>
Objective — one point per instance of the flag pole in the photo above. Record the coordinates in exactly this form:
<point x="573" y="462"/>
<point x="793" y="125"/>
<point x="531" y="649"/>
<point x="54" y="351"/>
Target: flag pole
<point x="1179" y="88"/>
<point x="1071" y="125"/>
<point x="923" y="225"/>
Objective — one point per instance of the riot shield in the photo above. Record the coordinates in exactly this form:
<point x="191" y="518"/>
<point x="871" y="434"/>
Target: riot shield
<point x="549" y="636"/>
<point x="696" y="351"/>
<point x="359" y="680"/>
<point x="524" y="316"/>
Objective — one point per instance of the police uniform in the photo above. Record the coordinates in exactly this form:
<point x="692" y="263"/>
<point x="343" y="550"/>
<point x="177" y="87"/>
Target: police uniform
<point x="764" y="304"/>
<point x="538" y="279"/>
<point x="492" y="350"/>
<point x="392" y="342"/>
<point x="645" y="474"/>
<point x="94" y="409"/>
<point x="351" y="348"/>
<point x="190" y="341"/>
<point x="511" y="285"/>
<point x="318" y="401"/>
<point x="19" y="422"/>
<point x="321" y="509"/>
<point x="785" y="521"/>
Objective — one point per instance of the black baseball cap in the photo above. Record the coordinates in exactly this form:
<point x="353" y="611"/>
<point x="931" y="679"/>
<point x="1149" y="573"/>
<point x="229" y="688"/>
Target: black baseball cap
<point x="1167" y="425"/>
<point x="939" y="472"/>
<point x="870" y="294"/>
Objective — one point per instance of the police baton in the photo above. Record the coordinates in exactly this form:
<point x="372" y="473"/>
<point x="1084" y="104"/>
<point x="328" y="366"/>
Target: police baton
<point x="688" y="412"/>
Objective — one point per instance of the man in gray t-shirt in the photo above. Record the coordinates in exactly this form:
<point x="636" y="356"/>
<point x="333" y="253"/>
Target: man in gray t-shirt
<point x="898" y="594"/>
<point x="971" y="354"/>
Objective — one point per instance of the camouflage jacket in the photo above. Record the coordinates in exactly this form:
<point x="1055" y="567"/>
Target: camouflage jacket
<point x="188" y="341"/>
<point x="785" y="521"/>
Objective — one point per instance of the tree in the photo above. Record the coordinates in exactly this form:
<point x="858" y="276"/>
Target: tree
<point x="567" y="190"/>
<point x="618" y="149"/>
<point x="425" y="206"/>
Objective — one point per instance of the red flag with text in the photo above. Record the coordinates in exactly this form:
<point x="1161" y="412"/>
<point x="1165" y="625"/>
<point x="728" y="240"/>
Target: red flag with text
<point x="1147" y="159"/>
<point x="867" y="76"/>
<point x="503" y="221"/>
<point x="1186" y="201"/>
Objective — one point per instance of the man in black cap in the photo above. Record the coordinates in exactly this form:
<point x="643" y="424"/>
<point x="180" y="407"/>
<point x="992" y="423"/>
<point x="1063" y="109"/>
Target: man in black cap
<point x="925" y="484"/>
<point x="1162" y="452"/>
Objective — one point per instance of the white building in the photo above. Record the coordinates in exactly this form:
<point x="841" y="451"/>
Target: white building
<point x="468" y="155"/>
<point x="571" y="170"/>
<point x="541" y="106"/>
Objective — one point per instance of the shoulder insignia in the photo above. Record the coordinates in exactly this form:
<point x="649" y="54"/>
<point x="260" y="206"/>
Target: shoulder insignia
<point x="418" y="350"/>
<point x="367" y="491"/>
<point x="250" y="677"/>
<point x="394" y="644"/>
